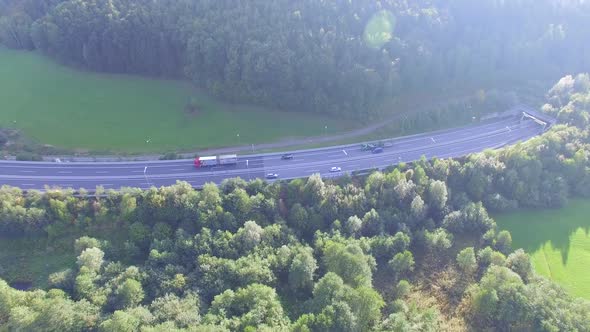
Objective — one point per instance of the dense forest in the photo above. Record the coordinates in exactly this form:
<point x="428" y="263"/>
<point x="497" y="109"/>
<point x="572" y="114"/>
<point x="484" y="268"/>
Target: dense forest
<point x="408" y="249"/>
<point x="331" y="56"/>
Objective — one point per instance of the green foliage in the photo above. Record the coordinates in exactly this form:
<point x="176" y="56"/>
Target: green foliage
<point x="63" y="279"/>
<point x="402" y="288"/>
<point x="411" y="318"/>
<point x="438" y="240"/>
<point x="249" y="236"/>
<point x="45" y="311"/>
<point x="466" y="260"/>
<point x="86" y="242"/>
<point x="402" y="263"/>
<point x="255" y="305"/>
<point x="219" y="274"/>
<point x="340" y="307"/>
<point x="256" y="256"/>
<point x="301" y="271"/>
<point x="91" y="259"/>
<point x="121" y="321"/>
<point x="372" y="224"/>
<point x="473" y="218"/>
<point x="349" y="262"/>
<point x="503" y="242"/>
<point x="487" y="256"/>
<point x="245" y="52"/>
<point x="170" y="156"/>
<point x="438" y="195"/>
<point x="502" y="300"/>
<point x="133" y="109"/>
<point x="129" y="294"/>
<point x="353" y="225"/>
<point x="28" y="156"/>
<point x="383" y="247"/>
<point x="184" y="312"/>
<point x="520" y="263"/>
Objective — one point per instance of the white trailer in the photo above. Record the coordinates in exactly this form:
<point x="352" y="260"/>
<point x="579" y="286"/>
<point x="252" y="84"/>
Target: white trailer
<point x="228" y="159"/>
<point x="206" y="161"/>
<point x="209" y="161"/>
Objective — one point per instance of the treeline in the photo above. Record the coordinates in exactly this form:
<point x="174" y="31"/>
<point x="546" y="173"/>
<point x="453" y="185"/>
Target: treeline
<point x="358" y="254"/>
<point x="338" y="57"/>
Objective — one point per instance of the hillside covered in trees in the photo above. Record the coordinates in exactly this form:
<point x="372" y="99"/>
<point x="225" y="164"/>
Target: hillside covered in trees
<point x="331" y="56"/>
<point x="408" y="249"/>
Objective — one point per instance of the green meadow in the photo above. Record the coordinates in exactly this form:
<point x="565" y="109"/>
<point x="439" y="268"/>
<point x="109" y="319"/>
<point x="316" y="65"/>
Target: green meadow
<point x="32" y="259"/>
<point x="84" y="111"/>
<point x="558" y="242"/>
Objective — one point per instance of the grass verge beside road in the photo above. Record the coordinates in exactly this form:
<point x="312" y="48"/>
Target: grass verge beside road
<point x="558" y="242"/>
<point x="84" y="111"/>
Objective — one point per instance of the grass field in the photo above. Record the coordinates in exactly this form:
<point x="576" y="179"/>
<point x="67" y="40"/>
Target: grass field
<point x="558" y="242"/>
<point x="85" y="111"/>
<point x="32" y="259"/>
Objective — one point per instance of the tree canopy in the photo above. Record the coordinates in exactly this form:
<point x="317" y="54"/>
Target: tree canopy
<point x="411" y="248"/>
<point x="336" y="57"/>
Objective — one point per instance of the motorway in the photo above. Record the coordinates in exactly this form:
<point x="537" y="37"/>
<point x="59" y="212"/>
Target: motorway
<point x="115" y="175"/>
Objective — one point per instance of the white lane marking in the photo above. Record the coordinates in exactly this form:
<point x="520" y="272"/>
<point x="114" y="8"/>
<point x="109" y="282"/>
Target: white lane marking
<point x="102" y="172"/>
<point x="64" y="172"/>
<point x="136" y="171"/>
<point x="107" y="184"/>
<point x="177" y="169"/>
<point x="433" y="141"/>
<point x="27" y="171"/>
<point x="28" y="184"/>
<point x="241" y="172"/>
<point x="345" y="153"/>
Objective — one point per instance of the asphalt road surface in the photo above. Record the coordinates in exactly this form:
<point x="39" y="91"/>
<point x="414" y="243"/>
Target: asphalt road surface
<point x="442" y="144"/>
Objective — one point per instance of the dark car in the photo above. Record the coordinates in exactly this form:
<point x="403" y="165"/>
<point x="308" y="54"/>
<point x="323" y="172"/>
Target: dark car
<point x="272" y="175"/>
<point x="288" y="156"/>
<point x="378" y="150"/>
<point x="368" y="147"/>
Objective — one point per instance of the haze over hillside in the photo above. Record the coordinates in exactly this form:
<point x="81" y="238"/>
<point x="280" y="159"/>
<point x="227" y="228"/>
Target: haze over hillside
<point x="338" y="57"/>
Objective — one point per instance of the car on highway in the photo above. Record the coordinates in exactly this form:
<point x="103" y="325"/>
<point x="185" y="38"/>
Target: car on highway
<point x="335" y="169"/>
<point x="272" y="176"/>
<point x="377" y="150"/>
<point x="287" y="156"/>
